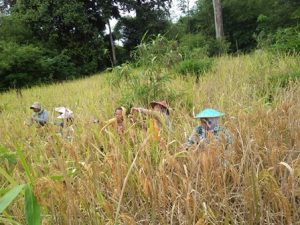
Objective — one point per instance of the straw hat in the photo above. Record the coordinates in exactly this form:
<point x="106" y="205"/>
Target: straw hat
<point x="162" y="103"/>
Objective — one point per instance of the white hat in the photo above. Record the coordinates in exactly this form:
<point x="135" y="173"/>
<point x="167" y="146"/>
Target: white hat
<point x="36" y="105"/>
<point x="65" y="113"/>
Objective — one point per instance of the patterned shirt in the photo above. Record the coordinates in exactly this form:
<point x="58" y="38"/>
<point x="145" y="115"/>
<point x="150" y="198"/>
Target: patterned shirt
<point x="199" y="133"/>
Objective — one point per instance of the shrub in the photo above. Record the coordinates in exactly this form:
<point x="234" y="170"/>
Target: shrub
<point x="283" y="80"/>
<point x="159" y="51"/>
<point x="284" y="40"/>
<point x="27" y="65"/>
<point x="199" y="45"/>
<point x="287" y="40"/>
<point x="120" y="73"/>
<point x="19" y="65"/>
<point x="194" y="67"/>
<point x="147" y="86"/>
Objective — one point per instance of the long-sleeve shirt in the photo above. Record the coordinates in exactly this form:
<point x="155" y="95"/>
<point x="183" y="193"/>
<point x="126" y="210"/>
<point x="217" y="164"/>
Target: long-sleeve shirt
<point x="40" y="117"/>
<point x="200" y="134"/>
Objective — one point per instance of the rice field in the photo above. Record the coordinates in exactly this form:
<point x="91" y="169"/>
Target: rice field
<point x="99" y="178"/>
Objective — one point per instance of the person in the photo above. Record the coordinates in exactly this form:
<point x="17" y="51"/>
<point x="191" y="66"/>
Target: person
<point x="160" y="117"/>
<point x="40" y="115"/>
<point x="209" y="129"/>
<point x="65" y="115"/>
<point x="66" y="121"/>
<point x="118" y="121"/>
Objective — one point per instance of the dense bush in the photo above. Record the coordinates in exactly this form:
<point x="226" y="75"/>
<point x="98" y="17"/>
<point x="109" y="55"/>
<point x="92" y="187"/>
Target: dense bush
<point x="158" y="51"/>
<point x="199" y="45"/>
<point x="194" y="67"/>
<point x="19" y="65"/>
<point x="284" y="40"/>
<point x="149" y="85"/>
<point x="119" y="74"/>
<point x="23" y="65"/>
<point x="287" y="40"/>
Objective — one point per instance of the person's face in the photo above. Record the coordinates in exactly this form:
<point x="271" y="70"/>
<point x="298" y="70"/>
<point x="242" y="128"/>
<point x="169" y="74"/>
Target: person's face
<point x="35" y="110"/>
<point x="157" y="107"/>
<point x="206" y="123"/>
<point x="119" y="115"/>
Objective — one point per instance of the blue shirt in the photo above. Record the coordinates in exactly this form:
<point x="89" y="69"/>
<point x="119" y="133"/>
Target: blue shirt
<point x="40" y="117"/>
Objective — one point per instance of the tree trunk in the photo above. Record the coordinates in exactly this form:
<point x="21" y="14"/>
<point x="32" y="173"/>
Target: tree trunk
<point x="113" y="51"/>
<point x="218" y="19"/>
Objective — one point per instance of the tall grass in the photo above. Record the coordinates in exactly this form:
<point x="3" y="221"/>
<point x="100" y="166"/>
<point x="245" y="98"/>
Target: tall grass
<point x="98" y="178"/>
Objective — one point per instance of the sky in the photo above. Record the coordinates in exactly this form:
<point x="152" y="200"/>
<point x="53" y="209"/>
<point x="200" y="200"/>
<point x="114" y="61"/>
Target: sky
<point x="175" y="11"/>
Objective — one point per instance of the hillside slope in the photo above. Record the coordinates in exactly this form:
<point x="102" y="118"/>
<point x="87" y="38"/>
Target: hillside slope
<point x="98" y="178"/>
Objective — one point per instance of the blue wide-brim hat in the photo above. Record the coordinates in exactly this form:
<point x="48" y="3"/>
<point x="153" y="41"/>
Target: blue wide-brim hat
<point x="209" y="113"/>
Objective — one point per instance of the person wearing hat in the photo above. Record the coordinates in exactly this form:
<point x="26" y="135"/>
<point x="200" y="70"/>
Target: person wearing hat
<point x="65" y="115"/>
<point x="160" y="114"/>
<point x="40" y="115"/>
<point x="209" y="128"/>
<point x="66" y="120"/>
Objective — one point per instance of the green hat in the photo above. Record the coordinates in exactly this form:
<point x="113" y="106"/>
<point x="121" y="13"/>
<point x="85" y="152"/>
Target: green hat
<point x="209" y="113"/>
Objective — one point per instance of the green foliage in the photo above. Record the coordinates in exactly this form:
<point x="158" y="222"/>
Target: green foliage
<point x="26" y="65"/>
<point x="19" y="65"/>
<point x="32" y="208"/>
<point x="59" y="66"/>
<point x="146" y="87"/>
<point x="194" y="46"/>
<point x="198" y="45"/>
<point x="287" y="40"/>
<point x="243" y="21"/>
<point x="284" y="40"/>
<point x="120" y="73"/>
<point x="159" y="51"/>
<point x="194" y="67"/>
<point x="7" y="157"/>
<point x="283" y="80"/>
<point x="9" y="196"/>
<point x="151" y="18"/>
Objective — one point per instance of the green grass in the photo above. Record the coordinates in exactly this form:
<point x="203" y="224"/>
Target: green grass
<point x="99" y="179"/>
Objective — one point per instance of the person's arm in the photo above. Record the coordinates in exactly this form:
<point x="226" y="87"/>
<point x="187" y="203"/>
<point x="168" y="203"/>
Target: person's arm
<point x="195" y="137"/>
<point x="155" y="114"/>
<point x="108" y="123"/>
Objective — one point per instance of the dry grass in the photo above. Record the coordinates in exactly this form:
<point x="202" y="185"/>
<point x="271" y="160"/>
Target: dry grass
<point x="99" y="179"/>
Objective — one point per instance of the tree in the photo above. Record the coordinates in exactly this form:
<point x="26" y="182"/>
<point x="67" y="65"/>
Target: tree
<point x="218" y="19"/>
<point x="67" y="36"/>
<point x="6" y="6"/>
<point x="151" y="17"/>
<point x="76" y="27"/>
